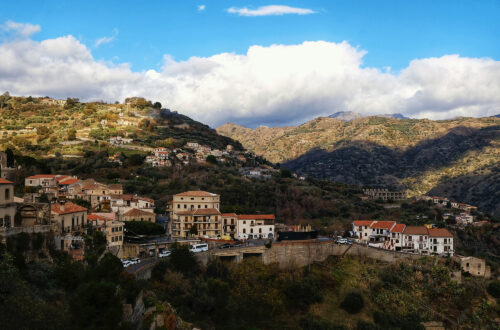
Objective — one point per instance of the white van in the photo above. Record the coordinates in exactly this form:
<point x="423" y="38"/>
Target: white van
<point x="199" y="247"/>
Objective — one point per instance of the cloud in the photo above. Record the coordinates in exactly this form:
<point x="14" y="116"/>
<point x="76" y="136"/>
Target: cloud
<point x="201" y="7"/>
<point x="272" y="10"/>
<point x="107" y="40"/>
<point x="23" y="30"/>
<point x="272" y="85"/>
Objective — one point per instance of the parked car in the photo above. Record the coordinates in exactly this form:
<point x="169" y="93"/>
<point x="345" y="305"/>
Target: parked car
<point x="349" y="241"/>
<point x="126" y="263"/>
<point x="237" y="244"/>
<point x="195" y="248"/>
<point x="342" y="240"/>
<point x="164" y="254"/>
<point x="136" y="260"/>
<point x="225" y="246"/>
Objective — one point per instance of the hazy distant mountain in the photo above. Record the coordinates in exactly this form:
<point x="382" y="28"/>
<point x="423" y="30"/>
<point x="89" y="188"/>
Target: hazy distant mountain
<point x="346" y="115"/>
<point x="350" y="115"/>
<point x="457" y="158"/>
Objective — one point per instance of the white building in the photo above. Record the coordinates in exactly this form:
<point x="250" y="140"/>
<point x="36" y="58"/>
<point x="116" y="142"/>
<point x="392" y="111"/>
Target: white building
<point x="416" y="239"/>
<point x="251" y="226"/>
<point x="362" y="230"/>
<point x="440" y="241"/>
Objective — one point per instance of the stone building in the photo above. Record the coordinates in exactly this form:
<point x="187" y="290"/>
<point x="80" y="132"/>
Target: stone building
<point x="474" y="266"/>
<point x="253" y="226"/>
<point x="386" y="194"/>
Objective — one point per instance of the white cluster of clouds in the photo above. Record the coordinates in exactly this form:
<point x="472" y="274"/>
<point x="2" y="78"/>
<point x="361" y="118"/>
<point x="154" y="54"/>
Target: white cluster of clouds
<point x="271" y="10"/>
<point x="274" y="85"/>
<point x="201" y="7"/>
<point x="22" y="30"/>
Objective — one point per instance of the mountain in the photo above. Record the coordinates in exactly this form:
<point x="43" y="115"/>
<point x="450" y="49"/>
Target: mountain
<point x="345" y="115"/>
<point x="458" y="158"/>
<point x="350" y="115"/>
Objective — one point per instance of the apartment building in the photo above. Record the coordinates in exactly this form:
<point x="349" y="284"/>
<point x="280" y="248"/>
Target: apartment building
<point x="396" y="237"/>
<point x="380" y="234"/>
<point x="7" y="204"/>
<point x="254" y="226"/>
<point x="229" y="224"/>
<point x="415" y="239"/>
<point x="385" y="194"/>
<point x="440" y="241"/>
<point x="112" y="229"/>
<point x="362" y="230"/>
<point x="71" y="219"/>
<point x="196" y="214"/>
<point x="137" y="215"/>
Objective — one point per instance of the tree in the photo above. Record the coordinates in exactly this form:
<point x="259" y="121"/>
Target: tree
<point x="353" y="303"/>
<point x="95" y="245"/>
<point x="72" y="134"/>
<point x="193" y="230"/>
<point x="183" y="260"/>
<point x="285" y="173"/>
<point x="211" y="159"/>
<point x="10" y="157"/>
<point x="157" y="105"/>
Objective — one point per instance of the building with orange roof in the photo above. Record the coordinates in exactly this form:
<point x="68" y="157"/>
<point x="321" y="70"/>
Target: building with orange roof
<point x="362" y="230"/>
<point x="112" y="229"/>
<point x="71" y="220"/>
<point x="186" y="212"/>
<point x="396" y="237"/>
<point x="415" y="239"/>
<point x="440" y="241"/>
<point x="380" y="233"/>
<point x="229" y="224"/>
<point x="251" y="226"/>
<point x="137" y="215"/>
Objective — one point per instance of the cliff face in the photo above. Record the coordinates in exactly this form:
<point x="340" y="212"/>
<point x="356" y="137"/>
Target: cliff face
<point x="455" y="157"/>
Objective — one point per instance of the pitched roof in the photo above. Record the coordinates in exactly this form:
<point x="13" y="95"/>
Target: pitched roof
<point x="115" y="186"/>
<point x="136" y="212"/>
<point x="68" y="208"/>
<point x="416" y="230"/>
<point x="68" y="181"/>
<point x="200" y="212"/>
<point x="398" y="228"/>
<point x="196" y="193"/>
<point x="229" y="214"/>
<point x="383" y="224"/>
<point x="362" y="222"/>
<point x="256" y="217"/>
<point x="439" y="232"/>
<point x="42" y="176"/>
<point x="93" y="217"/>
<point x="3" y="181"/>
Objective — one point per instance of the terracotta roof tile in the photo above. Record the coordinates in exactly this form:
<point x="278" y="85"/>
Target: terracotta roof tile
<point x="439" y="232"/>
<point x="3" y="181"/>
<point x="383" y="224"/>
<point x="363" y="222"/>
<point x="200" y="212"/>
<point x="137" y="212"/>
<point x="416" y="230"/>
<point x="196" y="193"/>
<point x="42" y="176"/>
<point x="68" y="208"/>
<point x="398" y="228"/>
<point x="256" y="217"/>
<point x="229" y="214"/>
<point x="68" y="181"/>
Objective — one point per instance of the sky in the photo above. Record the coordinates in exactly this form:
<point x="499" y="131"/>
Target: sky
<point x="259" y="62"/>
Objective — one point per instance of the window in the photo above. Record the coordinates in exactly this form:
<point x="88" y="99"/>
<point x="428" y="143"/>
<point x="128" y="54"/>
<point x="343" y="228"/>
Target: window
<point x="1" y="222"/>
<point x="199" y="206"/>
<point x="178" y="206"/>
<point x="260" y="230"/>
<point x="206" y="206"/>
<point x="7" y="194"/>
<point x="185" y="206"/>
<point x="244" y="230"/>
<point x="270" y="229"/>
<point x="251" y="230"/>
<point x="244" y="222"/>
<point x="192" y="198"/>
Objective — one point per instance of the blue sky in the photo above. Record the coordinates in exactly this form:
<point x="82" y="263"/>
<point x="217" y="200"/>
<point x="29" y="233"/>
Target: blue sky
<point x="392" y="32"/>
<point x="259" y="62"/>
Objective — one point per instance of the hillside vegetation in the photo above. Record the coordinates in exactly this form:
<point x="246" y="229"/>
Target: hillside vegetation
<point x="457" y="158"/>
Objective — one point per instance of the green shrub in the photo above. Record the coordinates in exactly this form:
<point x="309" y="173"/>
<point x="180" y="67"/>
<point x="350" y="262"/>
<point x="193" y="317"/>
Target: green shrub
<point x="144" y="228"/>
<point x="353" y="303"/>
<point x="494" y="289"/>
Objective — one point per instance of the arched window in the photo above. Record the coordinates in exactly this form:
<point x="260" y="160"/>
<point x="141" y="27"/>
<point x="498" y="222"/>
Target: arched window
<point x="244" y="230"/>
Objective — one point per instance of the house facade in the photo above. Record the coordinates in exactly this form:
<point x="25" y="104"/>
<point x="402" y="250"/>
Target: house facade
<point x="362" y="230"/>
<point x="255" y="226"/>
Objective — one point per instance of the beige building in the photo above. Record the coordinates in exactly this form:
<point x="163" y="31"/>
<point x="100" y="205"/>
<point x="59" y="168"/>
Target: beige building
<point x="137" y="215"/>
<point x="113" y="231"/>
<point x="71" y="221"/>
<point x="474" y="266"/>
<point x="229" y="224"/>
<point x="196" y="214"/>
<point x="7" y="204"/>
